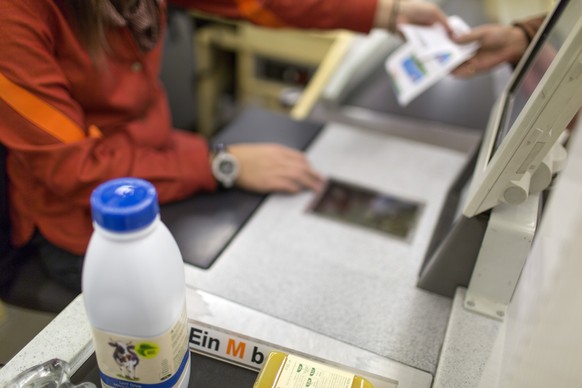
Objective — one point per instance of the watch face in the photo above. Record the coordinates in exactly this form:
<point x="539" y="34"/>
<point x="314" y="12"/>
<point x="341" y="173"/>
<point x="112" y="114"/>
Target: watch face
<point x="226" y="167"/>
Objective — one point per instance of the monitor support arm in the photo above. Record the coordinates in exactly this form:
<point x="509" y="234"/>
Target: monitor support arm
<point x="505" y="247"/>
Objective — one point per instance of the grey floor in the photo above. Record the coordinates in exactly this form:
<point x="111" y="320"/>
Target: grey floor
<point x="17" y="327"/>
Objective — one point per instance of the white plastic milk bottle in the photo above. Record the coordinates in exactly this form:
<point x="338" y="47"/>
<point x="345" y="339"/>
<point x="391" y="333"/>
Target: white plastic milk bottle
<point x="134" y="290"/>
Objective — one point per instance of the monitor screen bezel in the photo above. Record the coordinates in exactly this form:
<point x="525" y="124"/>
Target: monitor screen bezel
<point x="519" y="76"/>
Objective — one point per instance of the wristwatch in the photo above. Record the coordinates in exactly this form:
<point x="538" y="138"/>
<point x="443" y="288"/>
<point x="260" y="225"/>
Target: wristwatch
<point x="225" y="167"/>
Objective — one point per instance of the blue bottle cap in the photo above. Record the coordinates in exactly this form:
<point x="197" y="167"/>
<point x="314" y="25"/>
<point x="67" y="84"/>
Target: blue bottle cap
<point x="124" y="204"/>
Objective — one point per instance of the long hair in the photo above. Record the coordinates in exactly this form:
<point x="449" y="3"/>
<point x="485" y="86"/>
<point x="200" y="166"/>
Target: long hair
<point x="88" y="17"/>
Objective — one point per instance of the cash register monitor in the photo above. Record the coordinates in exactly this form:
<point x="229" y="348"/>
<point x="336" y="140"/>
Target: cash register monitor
<point x="520" y="153"/>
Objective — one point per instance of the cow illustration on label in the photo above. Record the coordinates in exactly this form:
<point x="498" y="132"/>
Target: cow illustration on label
<point x="126" y="358"/>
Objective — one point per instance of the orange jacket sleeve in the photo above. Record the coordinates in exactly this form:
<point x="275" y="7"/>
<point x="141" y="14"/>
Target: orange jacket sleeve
<point x="355" y="15"/>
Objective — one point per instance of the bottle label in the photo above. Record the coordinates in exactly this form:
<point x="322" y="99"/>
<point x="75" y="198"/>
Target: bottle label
<point x="156" y="362"/>
<point x="299" y="372"/>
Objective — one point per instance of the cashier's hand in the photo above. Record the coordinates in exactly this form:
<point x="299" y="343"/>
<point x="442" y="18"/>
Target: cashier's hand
<point x="498" y="44"/>
<point x="421" y="13"/>
<point x="272" y="167"/>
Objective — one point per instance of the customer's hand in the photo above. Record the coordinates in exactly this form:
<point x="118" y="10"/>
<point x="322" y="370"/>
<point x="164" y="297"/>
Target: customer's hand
<point x="421" y="13"/>
<point x="498" y="44"/>
<point x="272" y="167"/>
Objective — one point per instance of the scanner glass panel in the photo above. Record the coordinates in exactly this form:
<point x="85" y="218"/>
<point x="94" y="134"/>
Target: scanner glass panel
<point x="364" y="207"/>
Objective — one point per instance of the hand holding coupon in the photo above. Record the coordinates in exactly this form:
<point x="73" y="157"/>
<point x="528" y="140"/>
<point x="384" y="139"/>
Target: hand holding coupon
<point x="428" y="55"/>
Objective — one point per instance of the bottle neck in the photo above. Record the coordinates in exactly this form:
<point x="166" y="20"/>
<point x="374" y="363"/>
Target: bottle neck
<point x="127" y="235"/>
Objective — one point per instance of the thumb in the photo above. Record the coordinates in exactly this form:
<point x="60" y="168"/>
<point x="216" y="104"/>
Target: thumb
<point x="475" y="34"/>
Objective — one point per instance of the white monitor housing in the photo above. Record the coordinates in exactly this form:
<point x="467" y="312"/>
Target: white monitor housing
<point x="520" y="150"/>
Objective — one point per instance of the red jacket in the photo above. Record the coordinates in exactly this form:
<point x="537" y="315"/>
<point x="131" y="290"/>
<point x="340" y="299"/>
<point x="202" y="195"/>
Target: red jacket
<point x="70" y="125"/>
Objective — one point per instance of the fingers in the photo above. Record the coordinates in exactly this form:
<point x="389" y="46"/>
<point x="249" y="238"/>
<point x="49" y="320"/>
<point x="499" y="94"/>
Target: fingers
<point x="476" y="34"/>
<point x="272" y="167"/>
<point x="422" y="13"/>
<point x="475" y="65"/>
<point x="307" y="178"/>
<point x="284" y="185"/>
<point x="441" y="18"/>
<point x="297" y="170"/>
<point x="465" y="69"/>
<point x="314" y="181"/>
<point x="294" y="184"/>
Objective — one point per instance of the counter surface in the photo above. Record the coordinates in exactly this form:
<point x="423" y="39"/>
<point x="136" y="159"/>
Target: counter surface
<point x="342" y="281"/>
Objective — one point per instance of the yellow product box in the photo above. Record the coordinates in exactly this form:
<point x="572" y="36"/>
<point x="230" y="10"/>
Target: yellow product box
<point x="282" y="370"/>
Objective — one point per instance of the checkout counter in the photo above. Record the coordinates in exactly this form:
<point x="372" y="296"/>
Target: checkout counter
<point x="270" y="271"/>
